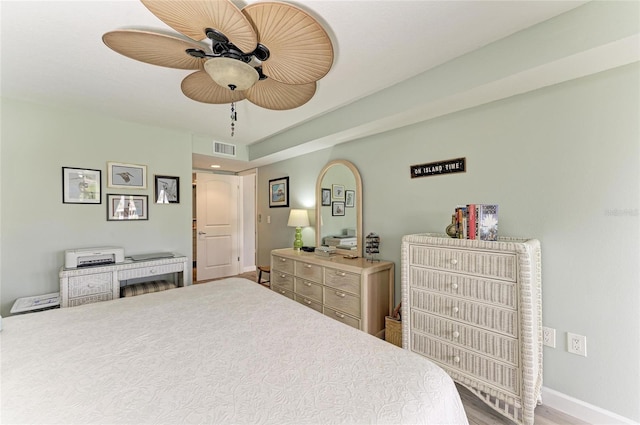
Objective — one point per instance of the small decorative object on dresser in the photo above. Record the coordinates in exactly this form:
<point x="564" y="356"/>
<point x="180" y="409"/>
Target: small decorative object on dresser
<point x="474" y="307"/>
<point x="372" y="246"/>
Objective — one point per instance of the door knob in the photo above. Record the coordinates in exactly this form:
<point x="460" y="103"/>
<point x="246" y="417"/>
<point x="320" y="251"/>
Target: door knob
<point x="202" y="233"/>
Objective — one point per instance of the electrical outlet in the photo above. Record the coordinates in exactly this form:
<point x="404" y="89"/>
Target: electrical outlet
<point x="577" y="344"/>
<point x="549" y="337"/>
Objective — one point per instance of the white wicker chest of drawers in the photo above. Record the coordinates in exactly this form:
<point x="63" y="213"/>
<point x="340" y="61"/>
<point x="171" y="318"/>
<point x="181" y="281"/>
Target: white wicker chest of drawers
<point x="102" y="283"/>
<point x="356" y="292"/>
<point x="474" y="308"/>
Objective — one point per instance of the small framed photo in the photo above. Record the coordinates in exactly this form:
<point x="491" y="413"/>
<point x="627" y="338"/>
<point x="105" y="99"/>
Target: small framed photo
<point x="127" y="207"/>
<point x="167" y="189"/>
<point x="337" y="191"/>
<point x="326" y="197"/>
<point x="126" y="176"/>
<point x="279" y="192"/>
<point x="337" y="208"/>
<point x="81" y="186"/>
<point x="349" y="198"/>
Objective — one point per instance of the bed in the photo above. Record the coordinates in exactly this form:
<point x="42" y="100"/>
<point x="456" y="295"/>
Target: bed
<point x="228" y="351"/>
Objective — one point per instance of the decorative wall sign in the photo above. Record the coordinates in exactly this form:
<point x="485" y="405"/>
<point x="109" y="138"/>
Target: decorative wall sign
<point x="449" y="166"/>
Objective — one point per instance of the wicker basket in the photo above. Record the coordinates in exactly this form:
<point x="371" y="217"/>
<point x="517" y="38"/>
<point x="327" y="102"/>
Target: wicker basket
<point x="393" y="331"/>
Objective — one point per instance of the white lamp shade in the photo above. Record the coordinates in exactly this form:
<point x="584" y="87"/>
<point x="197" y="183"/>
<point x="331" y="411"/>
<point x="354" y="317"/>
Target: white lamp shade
<point x="227" y="72"/>
<point x="298" y="218"/>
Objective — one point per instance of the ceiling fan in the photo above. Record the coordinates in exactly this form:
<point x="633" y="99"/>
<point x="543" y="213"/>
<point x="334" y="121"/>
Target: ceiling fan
<point x="269" y="53"/>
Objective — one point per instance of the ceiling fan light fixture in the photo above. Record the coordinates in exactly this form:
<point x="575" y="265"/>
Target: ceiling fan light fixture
<point x="231" y="73"/>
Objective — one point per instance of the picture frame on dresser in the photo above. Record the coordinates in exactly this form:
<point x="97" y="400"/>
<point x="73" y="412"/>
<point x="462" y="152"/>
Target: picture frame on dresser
<point x="167" y="189"/>
<point x="81" y="186"/>
<point x="125" y="207"/>
<point x="279" y="192"/>
<point x="126" y="176"/>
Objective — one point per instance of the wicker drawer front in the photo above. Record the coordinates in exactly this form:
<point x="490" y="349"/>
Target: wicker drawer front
<point x="282" y="264"/>
<point x="490" y="291"/>
<point x="340" y="316"/>
<point x="309" y="271"/>
<point x="90" y="299"/>
<point x="317" y="306"/>
<point x="494" y="373"/>
<point x="345" y="281"/>
<point x="309" y="289"/>
<point x="489" y="264"/>
<point x="150" y="271"/>
<point x="343" y="301"/>
<point x="81" y="286"/>
<point x="492" y="344"/>
<point x="282" y="281"/>
<point x="488" y="317"/>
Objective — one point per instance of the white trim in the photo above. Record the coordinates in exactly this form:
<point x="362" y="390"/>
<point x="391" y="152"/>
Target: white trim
<point x="581" y="410"/>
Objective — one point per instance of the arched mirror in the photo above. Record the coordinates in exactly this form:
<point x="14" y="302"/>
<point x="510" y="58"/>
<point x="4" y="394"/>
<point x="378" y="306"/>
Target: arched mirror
<point x="339" y="207"/>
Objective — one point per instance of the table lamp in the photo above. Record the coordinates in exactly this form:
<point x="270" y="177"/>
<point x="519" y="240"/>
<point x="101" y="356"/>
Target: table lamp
<point x="298" y="219"/>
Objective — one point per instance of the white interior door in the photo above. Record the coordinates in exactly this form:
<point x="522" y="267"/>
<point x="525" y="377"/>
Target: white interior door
<point x="217" y="226"/>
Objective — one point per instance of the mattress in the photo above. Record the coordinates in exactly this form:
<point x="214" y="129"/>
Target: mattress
<point x="228" y="351"/>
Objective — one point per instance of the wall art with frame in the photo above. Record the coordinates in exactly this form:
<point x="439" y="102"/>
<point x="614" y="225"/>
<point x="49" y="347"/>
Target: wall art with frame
<point x="350" y="198"/>
<point x="167" y="189"/>
<point x="326" y="197"/>
<point x="126" y="176"/>
<point x="337" y="191"/>
<point x="81" y="186"/>
<point x="337" y="208"/>
<point x="279" y="192"/>
<point x="127" y="207"/>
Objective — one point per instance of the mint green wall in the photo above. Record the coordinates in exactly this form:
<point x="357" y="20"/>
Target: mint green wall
<point x="563" y="164"/>
<point x="37" y="227"/>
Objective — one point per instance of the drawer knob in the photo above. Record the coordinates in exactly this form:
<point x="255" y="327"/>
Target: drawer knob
<point x="455" y="309"/>
<point x="282" y="292"/>
<point x="283" y="276"/>
<point x="341" y="316"/>
<point x="340" y="294"/>
<point x="454" y="286"/>
<point x="307" y="284"/>
<point x="152" y="271"/>
<point x="456" y="334"/>
<point x="283" y="259"/>
<point x="308" y="266"/>
<point x="456" y="359"/>
<point x="454" y="261"/>
<point x="307" y="302"/>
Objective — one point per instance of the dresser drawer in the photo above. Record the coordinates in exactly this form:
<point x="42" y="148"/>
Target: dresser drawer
<point x="283" y="264"/>
<point x="308" y="289"/>
<point x="496" y="292"/>
<point x="282" y="281"/>
<point x="317" y="306"/>
<point x="308" y="271"/>
<point x="457" y="359"/>
<point x="105" y="296"/>
<point x="495" y="265"/>
<point x="482" y="315"/>
<point x="492" y="344"/>
<point x="281" y="291"/>
<point x="343" y="301"/>
<point x="80" y="286"/>
<point x="344" y="281"/>
<point x="341" y="317"/>
<point x="150" y="271"/>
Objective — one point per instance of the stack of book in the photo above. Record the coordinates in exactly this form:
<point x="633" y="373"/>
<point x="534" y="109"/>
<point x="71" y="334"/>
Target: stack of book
<point x="477" y="221"/>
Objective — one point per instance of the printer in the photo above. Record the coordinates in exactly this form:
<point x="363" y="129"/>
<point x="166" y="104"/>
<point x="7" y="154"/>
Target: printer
<point x="85" y="257"/>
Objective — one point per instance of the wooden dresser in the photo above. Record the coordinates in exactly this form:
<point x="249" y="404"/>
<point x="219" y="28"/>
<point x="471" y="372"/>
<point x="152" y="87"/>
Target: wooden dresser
<point x="474" y="308"/>
<point x="356" y="292"/>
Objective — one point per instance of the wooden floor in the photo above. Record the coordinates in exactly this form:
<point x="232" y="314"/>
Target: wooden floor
<point x="478" y="413"/>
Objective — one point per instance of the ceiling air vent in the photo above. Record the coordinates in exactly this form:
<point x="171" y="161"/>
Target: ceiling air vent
<point x="224" y="149"/>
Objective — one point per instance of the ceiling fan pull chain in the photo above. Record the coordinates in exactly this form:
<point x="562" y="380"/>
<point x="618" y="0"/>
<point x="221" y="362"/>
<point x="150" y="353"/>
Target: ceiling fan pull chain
<point x="234" y="117"/>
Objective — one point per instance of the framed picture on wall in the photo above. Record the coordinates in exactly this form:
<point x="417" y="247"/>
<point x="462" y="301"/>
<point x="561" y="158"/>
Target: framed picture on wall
<point x="279" y="192"/>
<point x="167" y="190"/>
<point x="127" y="176"/>
<point x="337" y="191"/>
<point x="349" y="198"/>
<point x="326" y="197"/>
<point x="127" y="207"/>
<point x="81" y="186"/>
<point x="337" y="208"/>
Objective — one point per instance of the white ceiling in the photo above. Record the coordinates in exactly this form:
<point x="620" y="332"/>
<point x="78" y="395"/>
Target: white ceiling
<point x="52" y="53"/>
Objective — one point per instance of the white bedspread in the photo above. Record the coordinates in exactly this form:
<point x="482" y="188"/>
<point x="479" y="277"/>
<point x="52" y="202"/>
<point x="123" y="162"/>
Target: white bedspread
<point x="225" y="352"/>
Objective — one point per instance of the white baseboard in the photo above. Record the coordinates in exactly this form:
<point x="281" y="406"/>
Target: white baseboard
<point x="581" y="410"/>
<point x="249" y="269"/>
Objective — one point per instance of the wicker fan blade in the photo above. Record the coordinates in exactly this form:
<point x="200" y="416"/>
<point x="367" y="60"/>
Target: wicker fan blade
<point x="200" y="87"/>
<point x="300" y="49"/>
<point x="193" y="17"/>
<point x="156" y="49"/>
<point x="272" y="94"/>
